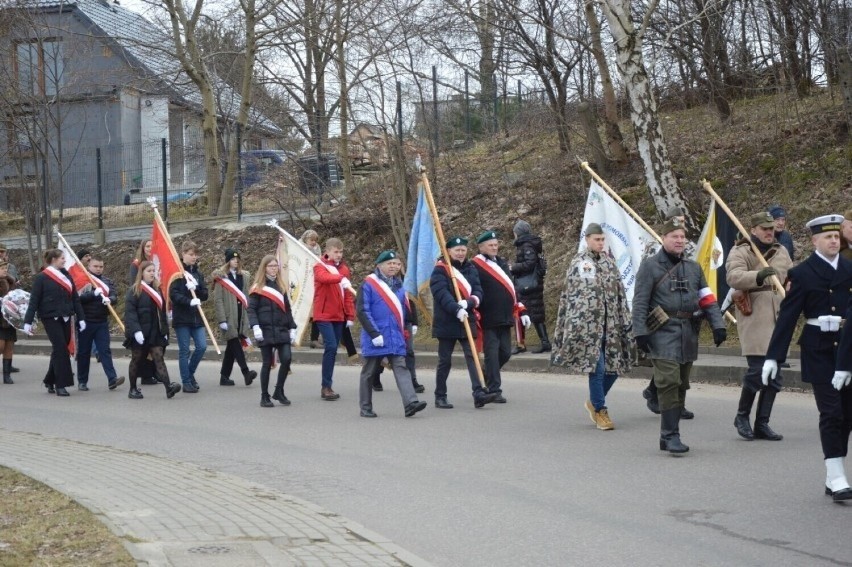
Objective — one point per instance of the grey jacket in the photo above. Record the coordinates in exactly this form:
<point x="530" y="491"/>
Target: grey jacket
<point x="228" y="309"/>
<point x="677" y="340"/>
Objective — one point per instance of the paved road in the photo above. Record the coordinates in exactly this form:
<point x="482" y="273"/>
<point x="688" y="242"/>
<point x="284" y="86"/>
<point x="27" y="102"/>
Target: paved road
<point x="529" y="483"/>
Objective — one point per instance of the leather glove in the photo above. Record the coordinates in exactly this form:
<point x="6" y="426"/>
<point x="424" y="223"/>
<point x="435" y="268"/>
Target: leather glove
<point x="223" y="325"/>
<point x="770" y="370"/>
<point x="463" y="304"/>
<point x="719" y="336"/>
<point x="28" y="329"/>
<point x="379" y="341"/>
<point x="643" y="343"/>
<point x="350" y="324"/>
<point x="105" y="300"/>
<point x="525" y="321"/>
<point x="414" y="330"/>
<point x="841" y="379"/>
<point x="765" y="274"/>
<point x="461" y="315"/>
<point x="194" y="302"/>
<point x="292" y="336"/>
<point x="258" y="333"/>
<point x="81" y="325"/>
<point x="140" y="338"/>
<point x="345" y="283"/>
<point x="97" y="291"/>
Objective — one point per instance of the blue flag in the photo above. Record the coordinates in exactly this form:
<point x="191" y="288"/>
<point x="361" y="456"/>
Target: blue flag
<point x="423" y="249"/>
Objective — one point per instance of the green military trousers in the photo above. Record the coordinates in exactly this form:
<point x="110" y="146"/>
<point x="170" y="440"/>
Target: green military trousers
<point x="672" y="380"/>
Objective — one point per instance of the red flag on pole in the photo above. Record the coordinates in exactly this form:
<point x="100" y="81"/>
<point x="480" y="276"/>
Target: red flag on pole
<point x="165" y="258"/>
<point x="74" y="267"/>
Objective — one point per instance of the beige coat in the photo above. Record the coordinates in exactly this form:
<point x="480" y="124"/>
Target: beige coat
<point x="742" y="266"/>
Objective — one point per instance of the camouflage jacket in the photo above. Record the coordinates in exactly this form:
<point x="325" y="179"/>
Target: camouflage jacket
<point x="593" y="305"/>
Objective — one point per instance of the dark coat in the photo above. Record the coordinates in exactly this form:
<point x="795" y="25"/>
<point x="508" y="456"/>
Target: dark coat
<point x="93" y="306"/>
<point x="274" y="323"/>
<point x="525" y="269"/>
<point x="183" y="315"/>
<point x="498" y="305"/>
<point x="142" y="314"/>
<point x="50" y="299"/>
<point x="815" y="289"/>
<point x="785" y="240"/>
<point x="844" y="351"/>
<point x="445" y="325"/>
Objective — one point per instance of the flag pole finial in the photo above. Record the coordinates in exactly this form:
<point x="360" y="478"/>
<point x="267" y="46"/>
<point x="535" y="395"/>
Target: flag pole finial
<point x="272" y="222"/>
<point x="152" y="201"/>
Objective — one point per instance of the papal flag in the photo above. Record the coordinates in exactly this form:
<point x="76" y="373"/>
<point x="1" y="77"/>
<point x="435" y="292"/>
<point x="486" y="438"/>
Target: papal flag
<point x="423" y="250"/>
<point x="298" y="263"/>
<point x="626" y="240"/>
<point x="716" y="240"/>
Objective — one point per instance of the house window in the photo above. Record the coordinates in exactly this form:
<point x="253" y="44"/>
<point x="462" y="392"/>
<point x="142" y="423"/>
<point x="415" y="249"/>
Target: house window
<point x="40" y="66"/>
<point x="23" y="134"/>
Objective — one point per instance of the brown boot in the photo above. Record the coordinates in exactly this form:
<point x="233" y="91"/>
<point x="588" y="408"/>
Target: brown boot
<point x="329" y="394"/>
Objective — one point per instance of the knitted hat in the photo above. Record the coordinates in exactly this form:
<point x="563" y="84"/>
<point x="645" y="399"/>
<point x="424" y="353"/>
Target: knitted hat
<point x="486" y="236"/>
<point x="456" y="241"/>
<point x="231" y="253"/>
<point x="522" y="227"/>
<point x="385" y="256"/>
<point x="83" y="252"/>
<point x="777" y="211"/>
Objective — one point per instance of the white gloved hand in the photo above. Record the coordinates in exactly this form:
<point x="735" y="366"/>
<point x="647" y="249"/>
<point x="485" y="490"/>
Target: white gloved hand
<point x="379" y="341"/>
<point x="461" y="315"/>
<point x="258" y="333"/>
<point x="194" y="302"/>
<point x="292" y="336"/>
<point x="191" y="284"/>
<point x="841" y="379"/>
<point x="81" y="325"/>
<point x="345" y="283"/>
<point x="28" y="329"/>
<point x="190" y="279"/>
<point x="140" y="338"/>
<point x="414" y="330"/>
<point x="525" y="321"/>
<point x="97" y="291"/>
<point x="105" y="300"/>
<point x="770" y="370"/>
<point x="463" y="304"/>
<point x="248" y="341"/>
<point x="350" y="324"/>
<point x="223" y="325"/>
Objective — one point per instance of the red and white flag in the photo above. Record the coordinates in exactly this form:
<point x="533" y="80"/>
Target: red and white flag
<point x="74" y="267"/>
<point x="169" y="267"/>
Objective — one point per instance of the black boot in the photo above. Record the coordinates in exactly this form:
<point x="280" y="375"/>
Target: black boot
<point x="265" y="402"/>
<point x="743" y="411"/>
<point x="761" y="420"/>
<point x="7" y="372"/>
<point x="278" y="393"/>
<point x="650" y="395"/>
<point x="670" y="432"/>
<point x="172" y="388"/>
<point x="225" y="381"/>
<point x="418" y="387"/>
<point x="541" y="329"/>
<point x="249" y="376"/>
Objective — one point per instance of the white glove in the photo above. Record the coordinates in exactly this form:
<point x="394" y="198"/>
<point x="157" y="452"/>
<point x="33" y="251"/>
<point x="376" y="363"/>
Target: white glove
<point x="28" y="329"/>
<point x="525" y="321"/>
<point x="190" y="279"/>
<point x="461" y="315"/>
<point x="140" y="338"/>
<point x="97" y="291"/>
<point x="248" y="341"/>
<point x="841" y="379"/>
<point x="81" y="325"/>
<point x="770" y="370"/>
<point x="292" y="336"/>
<point x="106" y="300"/>
<point x="345" y="283"/>
<point x="258" y="334"/>
<point x="194" y="302"/>
<point x="223" y="325"/>
<point x="350" y="324"/>
<point x="379" y="341"/>
<point x="414" y="330"/>
<point x="463" y="304"/>
<point x="191" y="285"/>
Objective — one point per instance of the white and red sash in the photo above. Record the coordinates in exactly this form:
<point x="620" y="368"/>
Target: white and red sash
<point x="271" y="294"/>
<point x="495" y="271"/>
<point x="389" y="297"/>
<point x="59" y="278"/>
<point x="465" y="288"/>
<point x="231" y="287"/>
<point x="153" y="294"/>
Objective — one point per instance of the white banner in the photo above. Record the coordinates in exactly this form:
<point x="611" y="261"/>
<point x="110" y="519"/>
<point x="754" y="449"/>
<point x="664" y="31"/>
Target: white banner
<point x="300" y="271"/>
<point x="626" y="241"/>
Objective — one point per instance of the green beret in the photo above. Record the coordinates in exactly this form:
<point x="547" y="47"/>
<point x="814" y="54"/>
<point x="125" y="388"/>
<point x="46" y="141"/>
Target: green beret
<point x="456" y="241"/>
<point x="594" y="228"/>
<point x="385" y="256"/>
<point x="486" y="236"/>
<point x="673" y="224"/>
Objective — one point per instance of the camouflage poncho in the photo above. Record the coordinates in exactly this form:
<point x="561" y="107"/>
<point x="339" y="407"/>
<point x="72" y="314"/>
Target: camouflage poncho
<point x="593" y="302"/>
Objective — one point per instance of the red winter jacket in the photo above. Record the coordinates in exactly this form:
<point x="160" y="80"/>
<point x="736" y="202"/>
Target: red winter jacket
<point x="331" y="304"/>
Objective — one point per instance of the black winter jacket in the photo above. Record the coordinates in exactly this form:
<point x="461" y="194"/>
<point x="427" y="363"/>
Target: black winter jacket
<point x="93" y="306"/>
<point x="274" y="323"/>
<point x="526" y="262"/>
<point x="498" y="308"/>
<point x="183" y="315"/>
<point x="141" y="314"/>
<point x="50" y="299"/>
<point x="445" y="324"/>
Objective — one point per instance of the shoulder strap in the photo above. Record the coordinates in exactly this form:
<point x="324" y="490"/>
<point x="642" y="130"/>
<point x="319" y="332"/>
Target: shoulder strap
<point x="664" y="276"/>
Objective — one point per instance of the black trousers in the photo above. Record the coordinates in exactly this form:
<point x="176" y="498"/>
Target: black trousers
<point x="752" y="380"/>
<point x="498" y="351"/>
<point x="59" y="373"/>
<point x="835" y="418"/>
<point x="285" y="356"/>
<point x="347" y="341"/>
<point x="445" y="362"/>
<point x="233" y="352"/>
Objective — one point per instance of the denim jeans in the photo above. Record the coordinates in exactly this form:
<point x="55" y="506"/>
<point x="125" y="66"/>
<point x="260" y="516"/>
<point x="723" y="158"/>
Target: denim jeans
<point x="186" y="364"/>
<point x="331" y="333"/>
<point x="600" y="381"/>
<point x="97" y="335"/>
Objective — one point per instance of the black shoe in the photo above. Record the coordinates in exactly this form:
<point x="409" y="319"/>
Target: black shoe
<point x="418" y="387"/>
<point x="763" y="431"/>
<point x="265" y="402"/>
<point x="50" y="388"/>
<point x="189" y="389"/>
<point x="686" y="414"/>
<point x="673" y="445"/>
<point x="784" y="365"/>
<point x="442" y="403"/>
<point x="519" y="350"/>
<point x="249" y="376"/>
<point x="61" y="392"/>
<point x="225" y="381"/>
<point x="368" y="413"/>
<point x="7" y="379"/>
<point x="14" y="369"/>
<point x="377" y="386"/>
<point x="414" y="407"/>
<point x="195" y="384"/>
<point x="118" y="382"/>
<point x="172" y="389"/>
<point x="135" y="394"/>
<point x="482" y="399"/>
<point x="828" y="491"/>
<point x="652" y="403"/>
<point x="499" y="399"/>
<point x="545" y="347"/>
<point x="98" y="357"/>
<point x="83" y="387"/>
<point x="150" y="381"/>
<point x="744" y="427"/>
<point x="282" y="399"/>
<point x="842" y="495"/>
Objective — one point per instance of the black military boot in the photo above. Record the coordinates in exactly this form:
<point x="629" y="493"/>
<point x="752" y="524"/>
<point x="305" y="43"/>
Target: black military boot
<point x="225" y="381"/>
<point x="761" y="420"/>
<point x="249" y="376"/>
<point x="278" y="393"/>
<point x="7" y="372"/>
<point x="541" y="329"/>
<point x="670" y="432"/>
<point x="741" y="422"/>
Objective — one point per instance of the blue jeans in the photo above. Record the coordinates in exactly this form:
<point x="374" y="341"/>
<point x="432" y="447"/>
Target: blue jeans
<point x="600" y="381"/>
<point x="186" y="364"/>
<point x="96" y="334"/>
<point x="331" y="333"/>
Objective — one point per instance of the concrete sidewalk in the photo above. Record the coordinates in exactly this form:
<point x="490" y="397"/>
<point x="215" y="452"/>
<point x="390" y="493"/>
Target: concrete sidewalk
<point x="191" y="516"/>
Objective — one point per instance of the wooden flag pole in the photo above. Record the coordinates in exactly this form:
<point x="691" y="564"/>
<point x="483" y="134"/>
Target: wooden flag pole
<point x="159" y="220"/>
<point x="776" y="283"/>
<point x="91" y="279"/>
<point x="442" y="243"/>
